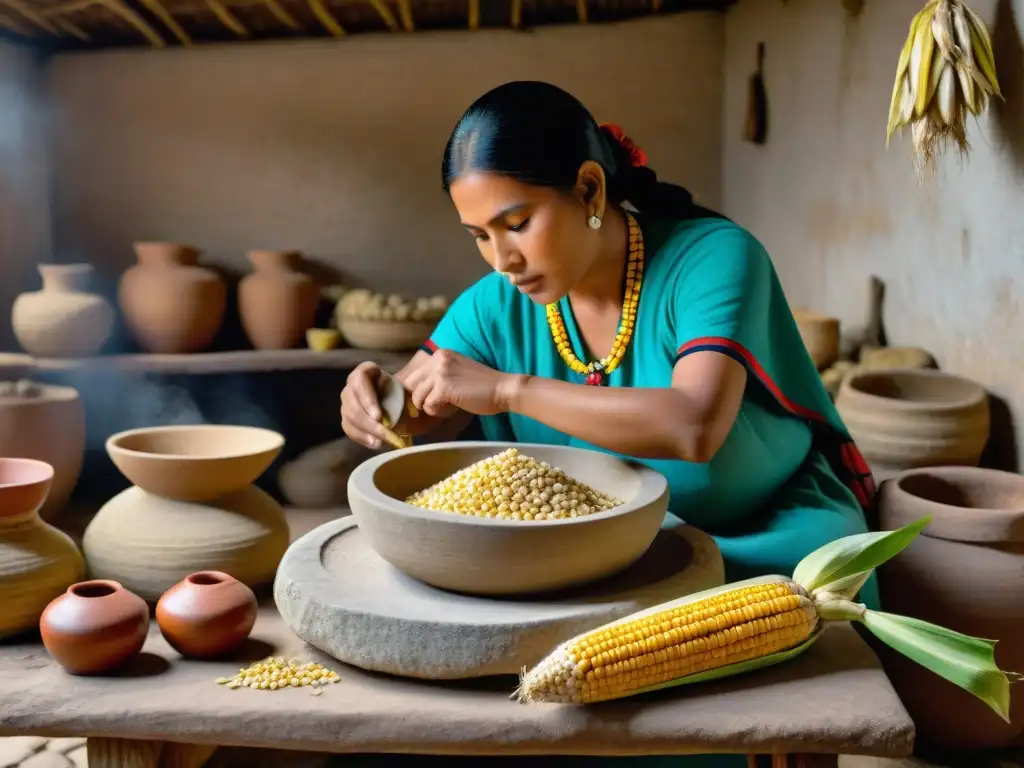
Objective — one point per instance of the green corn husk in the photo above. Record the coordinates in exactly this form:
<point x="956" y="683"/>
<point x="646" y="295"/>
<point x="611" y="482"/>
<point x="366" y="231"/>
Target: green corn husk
<point x="831" y="575"/>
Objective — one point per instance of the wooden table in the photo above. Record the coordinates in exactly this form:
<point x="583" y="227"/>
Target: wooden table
<point x="166" y="711"/>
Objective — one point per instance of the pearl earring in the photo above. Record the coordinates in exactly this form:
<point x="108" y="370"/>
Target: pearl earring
<point x="594" y="222"/>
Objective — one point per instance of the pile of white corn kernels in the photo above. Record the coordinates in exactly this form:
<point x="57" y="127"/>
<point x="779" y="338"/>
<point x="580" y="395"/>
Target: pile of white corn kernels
<point x="512" y="486"/>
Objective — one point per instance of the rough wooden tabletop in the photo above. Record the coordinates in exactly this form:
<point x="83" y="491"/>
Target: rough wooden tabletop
<point x="834" y="699"/>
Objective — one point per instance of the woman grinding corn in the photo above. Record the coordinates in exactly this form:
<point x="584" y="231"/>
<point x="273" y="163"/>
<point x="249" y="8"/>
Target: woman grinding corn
<point x="661" y="334"/>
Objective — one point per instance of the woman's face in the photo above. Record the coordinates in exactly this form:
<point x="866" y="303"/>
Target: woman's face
<point x="537" y="236"/>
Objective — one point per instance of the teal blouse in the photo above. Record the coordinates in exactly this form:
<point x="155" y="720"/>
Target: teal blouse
<point x="788" y="479"/>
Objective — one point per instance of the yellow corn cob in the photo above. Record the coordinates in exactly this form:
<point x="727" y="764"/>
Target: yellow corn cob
<point x="759" y="622"/>
<point x="709" y="630"/>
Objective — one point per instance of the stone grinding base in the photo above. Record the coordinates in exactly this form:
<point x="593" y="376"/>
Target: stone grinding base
<point x="339" y="596"/>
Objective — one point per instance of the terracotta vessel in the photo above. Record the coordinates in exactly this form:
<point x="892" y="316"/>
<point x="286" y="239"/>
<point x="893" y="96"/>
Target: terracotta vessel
<point x="820" y="335"/>
<point x="318" y="478"/>
<point x="96" y="626"/>
<point x="479" y="555"/>
<point x="170" y="304"/>
<point x="193" y="507"/>
<point x="194" y="463"/>
<point x="877" y="358"/>
<point x="37" y="561"/>
<point x="904" y="419"/>
<point x="964" y="572"/>
<point x="44" y="422"/>
<point x="207" y="614"/>
<point x="63" y="319"/>
<point x="277" y="302"/>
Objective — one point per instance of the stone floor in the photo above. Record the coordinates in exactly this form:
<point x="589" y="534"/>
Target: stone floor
<point x="37" y="752"/>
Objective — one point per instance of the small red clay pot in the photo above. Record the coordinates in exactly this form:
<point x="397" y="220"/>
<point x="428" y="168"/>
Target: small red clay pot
<point x="208" y="614"/>
<point x="96" y="626"/>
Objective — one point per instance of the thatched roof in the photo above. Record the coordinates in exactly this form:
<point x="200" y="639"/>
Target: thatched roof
<point x="63" y="24"/>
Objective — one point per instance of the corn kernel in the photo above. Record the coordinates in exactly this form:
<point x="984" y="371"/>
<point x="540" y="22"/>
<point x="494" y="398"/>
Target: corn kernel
<point x="274" y="673"/>
<point x="512" y="486"/>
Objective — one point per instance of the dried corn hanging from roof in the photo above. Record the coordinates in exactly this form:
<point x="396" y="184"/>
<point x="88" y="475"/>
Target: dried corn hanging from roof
<point x="757" y="623"/>
<point x="945" y="73"/>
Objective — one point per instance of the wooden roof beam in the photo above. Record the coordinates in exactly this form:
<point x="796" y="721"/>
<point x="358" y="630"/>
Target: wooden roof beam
<point x="282" y="15"/>
<point x="22" y="9"/>
<point x="71" y="28"/>
<point x="121" y="9"/>
<point x="405" y="11"/>
<point x="325" y="17"/>
<point x="227" y="18"/>
<point x="385" y="13"/>
<point x="157" y="9"/>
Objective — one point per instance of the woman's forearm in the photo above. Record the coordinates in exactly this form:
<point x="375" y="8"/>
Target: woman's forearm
<point x="645" y="423"/>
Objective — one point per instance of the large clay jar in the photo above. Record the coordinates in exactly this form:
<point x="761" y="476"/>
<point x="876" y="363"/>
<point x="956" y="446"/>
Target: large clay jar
<point x="964" y="572"/>
<point x="277" y="302"/>
<point x="820" y="335"/>
<point x="206" y="615"/>
<point x="192" y="508"/>
<point x="318" y="478"/>
<point x="39" y="421"/>
<point x="170" y="304"/>
<point x="63" y="319"/>
<point x="37" y="561"/>
<point x="96" y="626"/>
<point x="904" y="419"/>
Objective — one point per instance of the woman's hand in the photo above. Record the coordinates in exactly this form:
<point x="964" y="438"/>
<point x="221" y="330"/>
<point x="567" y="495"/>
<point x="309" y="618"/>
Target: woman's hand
<point x="450" y="381"/>
<point x="360" y="406"/>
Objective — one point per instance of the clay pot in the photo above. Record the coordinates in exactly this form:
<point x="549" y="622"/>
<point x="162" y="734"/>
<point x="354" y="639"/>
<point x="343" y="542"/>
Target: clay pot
<point x="876" y="358"/>
<point x="964" y="572"/>
<point x="96" y="626"/>
<point x="171" y="305"/>
<point x="63" y="319"/>
<point x="820" y="335"/>
<point x="208" y="614"/>
<point x="39" y="421"/>
<point x="37" y="561"/>
<point x="903" y="419"/>
<point x="318" y="478"/>
<point x="277" y="302"/>
<point x="192" y="508"/>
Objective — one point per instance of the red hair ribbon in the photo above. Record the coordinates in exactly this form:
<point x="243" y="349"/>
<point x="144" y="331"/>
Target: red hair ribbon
<point x="637" y="157"/>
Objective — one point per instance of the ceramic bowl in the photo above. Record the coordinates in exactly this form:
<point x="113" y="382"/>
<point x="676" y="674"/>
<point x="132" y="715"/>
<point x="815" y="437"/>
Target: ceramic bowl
<point x="194" y="463"/>
<point x="494" y="557"/>
<point x="322" y="339"/>
<point x="24" y="485"/>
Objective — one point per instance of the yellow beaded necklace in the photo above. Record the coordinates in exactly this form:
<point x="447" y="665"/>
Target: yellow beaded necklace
<point x="596" y="371"/>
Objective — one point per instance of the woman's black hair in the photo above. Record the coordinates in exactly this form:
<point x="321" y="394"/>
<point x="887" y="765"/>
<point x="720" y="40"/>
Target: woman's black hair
<point x="537" y="133"/>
